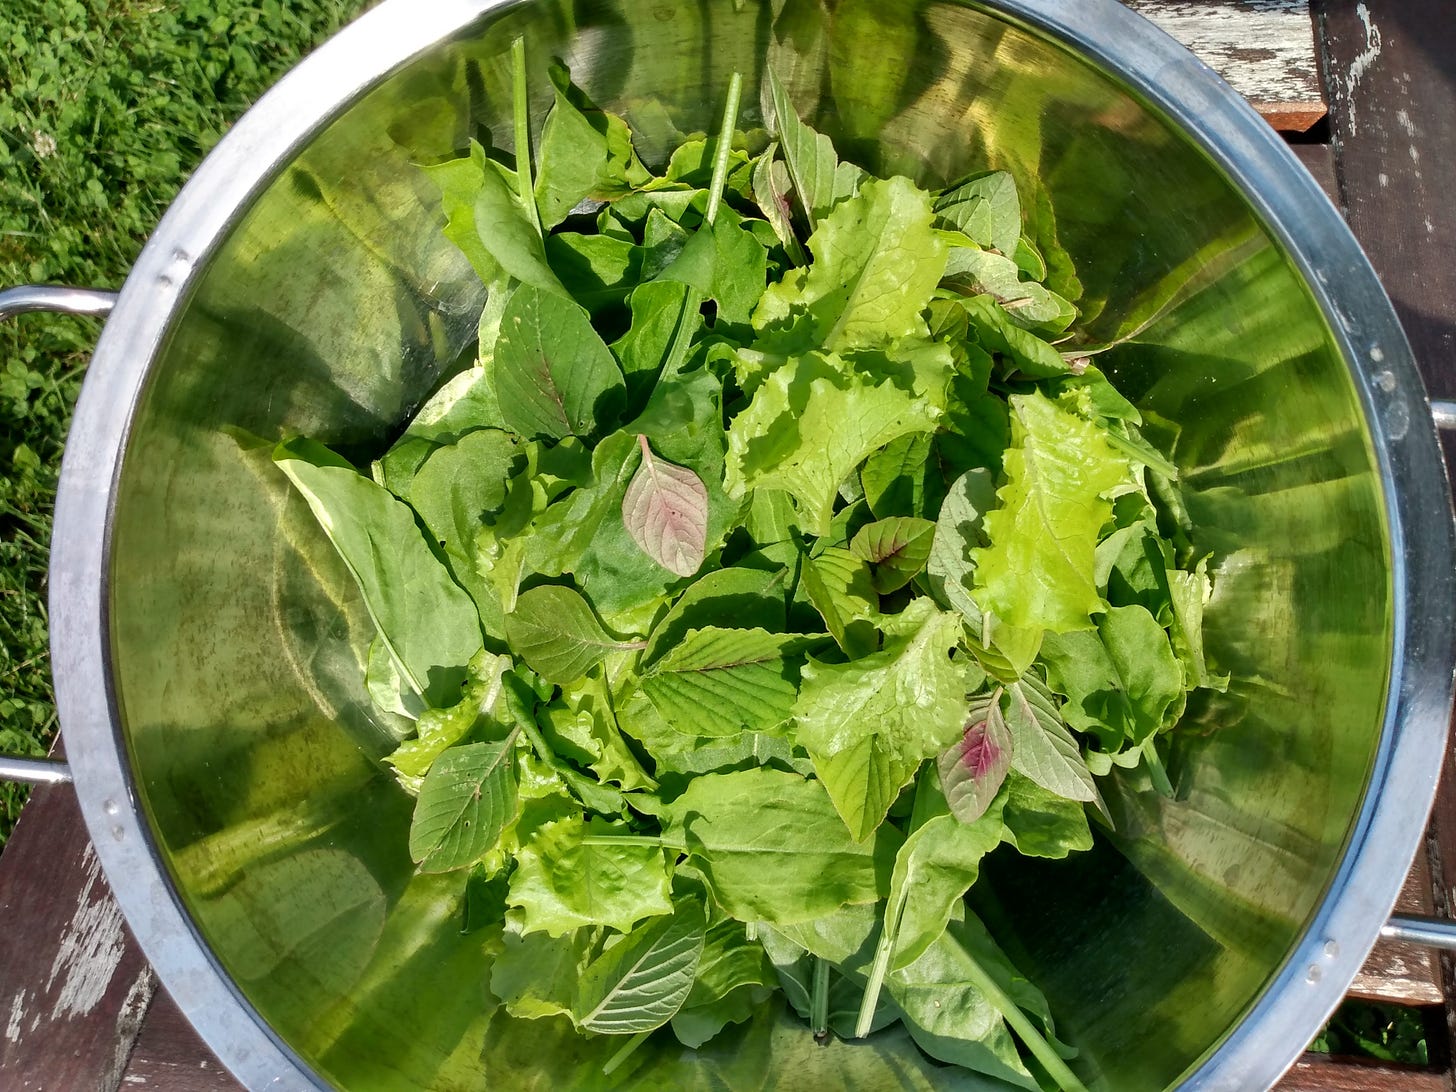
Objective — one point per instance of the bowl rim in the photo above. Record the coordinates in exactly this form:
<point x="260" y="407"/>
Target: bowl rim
<point x="1389" y="825"/>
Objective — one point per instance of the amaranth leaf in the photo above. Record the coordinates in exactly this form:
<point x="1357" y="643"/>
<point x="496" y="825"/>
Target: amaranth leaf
<point x="897" y="548"/>
<point x="973" y="768"/>
<point x="665" y="511"/>
<point x="642" y="981"/>
<point x="554" y="374"/>
<point x="466" y="801"/>
<point x="554" y="630"/>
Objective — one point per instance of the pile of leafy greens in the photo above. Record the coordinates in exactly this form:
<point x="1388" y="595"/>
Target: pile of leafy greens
<point x="771" y="568"/>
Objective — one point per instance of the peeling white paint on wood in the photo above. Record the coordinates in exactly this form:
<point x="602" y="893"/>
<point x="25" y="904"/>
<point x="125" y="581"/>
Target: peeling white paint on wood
<point x="1264" y="48"/>
<point x="91" y="947"/>
<point x="1374" y="43"/>
<point x="129" y="1017"/>
<point x="17" y="1013"/>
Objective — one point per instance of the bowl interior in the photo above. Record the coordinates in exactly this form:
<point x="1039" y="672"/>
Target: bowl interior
<point x="334" y="306"/>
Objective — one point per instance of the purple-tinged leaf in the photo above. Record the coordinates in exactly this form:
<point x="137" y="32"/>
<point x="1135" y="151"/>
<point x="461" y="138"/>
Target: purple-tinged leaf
<point x="897" y="547"/>
<point x="972" y="770"/>
<point x="666" y="513"/>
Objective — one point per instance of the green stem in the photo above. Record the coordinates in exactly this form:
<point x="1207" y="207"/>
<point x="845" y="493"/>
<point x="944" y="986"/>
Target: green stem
<point x="520" y="704"/>
<point x="819" y="999"/>
<point x="1025" y="1030"/>
<point x="625" y="840"/>
<point x="1156" y="770"/>
<point x="525" y="185"/>
<point x="876" y="981"/>
<point x="682" y="340"/>
<point x="725" y="147"/>
<point x="628" y="1048"/>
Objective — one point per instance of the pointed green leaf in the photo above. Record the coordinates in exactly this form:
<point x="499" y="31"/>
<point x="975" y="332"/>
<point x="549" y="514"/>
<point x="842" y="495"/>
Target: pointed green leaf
<point x="428" y="622"/>
<point x="1042" y="747"/>
<point x="719" y="682"/>
<point x="467" y="799"/>
<point x="642" y="981"/>
<point x="897" y="547"/>
<point x="809" y="156"/>
<point x="554" y="374"/>
<point x="554" y="630"/>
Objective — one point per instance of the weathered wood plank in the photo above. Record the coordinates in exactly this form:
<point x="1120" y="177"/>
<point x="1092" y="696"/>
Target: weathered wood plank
<point x="74" y="987"/>
<point x="1265" y="49"/>
<point x="1393" y="128"/>
<point x="169" y="1056"/>
<point x="1316" y="1073"/>
<point x="1406" y="974"/>
<point x="1389" y="66"/>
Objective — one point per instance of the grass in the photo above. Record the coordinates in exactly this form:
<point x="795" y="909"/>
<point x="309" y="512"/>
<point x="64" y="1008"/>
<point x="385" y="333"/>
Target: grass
<point x="106" y="106"/>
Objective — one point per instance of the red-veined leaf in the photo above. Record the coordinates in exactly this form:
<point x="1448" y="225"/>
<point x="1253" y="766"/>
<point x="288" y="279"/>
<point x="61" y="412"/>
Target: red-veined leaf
<point x="666" y="513"/>
<point x="972" y="769"/>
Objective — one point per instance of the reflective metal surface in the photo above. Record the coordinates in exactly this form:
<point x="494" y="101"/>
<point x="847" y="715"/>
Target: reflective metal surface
<point x="1432" y="932"/>
<point x="31" y="298"/>
<point x="36" y="771"/>
<point x="209" y="647"/>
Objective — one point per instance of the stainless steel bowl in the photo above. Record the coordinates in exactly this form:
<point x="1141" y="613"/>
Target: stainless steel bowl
<point x="209" y="649"/>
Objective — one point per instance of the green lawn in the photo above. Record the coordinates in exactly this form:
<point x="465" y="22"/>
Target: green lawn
<point x="106" y="106"/>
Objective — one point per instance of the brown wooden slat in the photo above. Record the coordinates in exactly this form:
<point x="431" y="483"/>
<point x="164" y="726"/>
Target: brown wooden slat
<point x="1265" y="49"/>
<point x="1393" y="126"/>
<point x="169" y="1056"/>
<point x="1389" y="67"/>
<point x="1407" y="974"/>
<point x="1319" y="160"/>
<point x="1316" y="1073"/>
<point x="74" y="987"/>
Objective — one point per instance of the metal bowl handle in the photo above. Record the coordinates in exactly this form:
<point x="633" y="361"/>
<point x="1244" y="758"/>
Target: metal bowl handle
<point x="61" y="301"/>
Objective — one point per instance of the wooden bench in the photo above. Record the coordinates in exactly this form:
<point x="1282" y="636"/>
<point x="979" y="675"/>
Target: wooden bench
<point x="79" y="1007"/>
